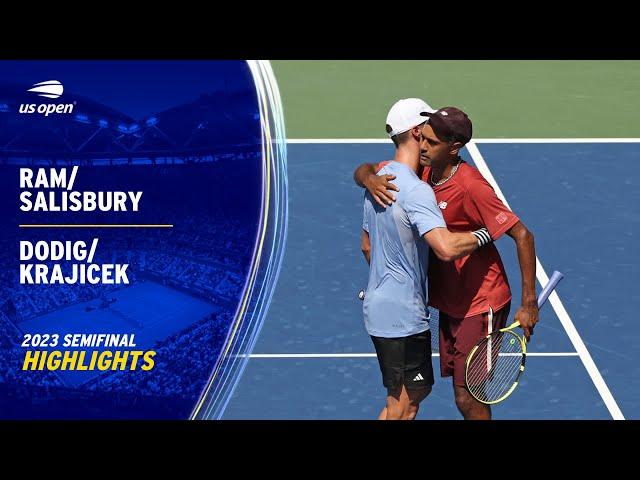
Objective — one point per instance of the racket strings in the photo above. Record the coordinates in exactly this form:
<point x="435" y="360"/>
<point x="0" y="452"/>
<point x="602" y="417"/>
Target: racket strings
<point x="495" y="387"/>
<point x="494" y="384"/>
<point x="487" y="371"/>
<point x="495" y="366"/>
<point x="503" y="377"/>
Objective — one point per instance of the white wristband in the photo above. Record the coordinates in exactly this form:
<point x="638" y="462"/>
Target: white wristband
<point x="483" y="237"/>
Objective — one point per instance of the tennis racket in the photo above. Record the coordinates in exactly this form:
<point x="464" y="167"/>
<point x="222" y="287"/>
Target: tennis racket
<point x="494" y="366"/>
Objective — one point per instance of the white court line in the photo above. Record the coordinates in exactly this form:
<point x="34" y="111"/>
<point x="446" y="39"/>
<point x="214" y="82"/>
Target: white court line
<point x="562" y="314"/>
<point x="478" y="140"/>
<point x="373" y="355"/>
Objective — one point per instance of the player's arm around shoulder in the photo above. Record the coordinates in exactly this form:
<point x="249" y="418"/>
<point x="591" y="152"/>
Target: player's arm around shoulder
<point x="379" y="186"/>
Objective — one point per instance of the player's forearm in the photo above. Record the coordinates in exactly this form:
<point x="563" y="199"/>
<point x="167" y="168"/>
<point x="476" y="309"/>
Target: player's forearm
<point x="525" y="246"/>
<point x="461" y="245"/>
<point x="449" y="245"/>
<point x="362" y="173"/>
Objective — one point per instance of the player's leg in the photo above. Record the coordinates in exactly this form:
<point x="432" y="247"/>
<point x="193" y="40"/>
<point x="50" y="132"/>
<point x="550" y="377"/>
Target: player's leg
<point x="403" y="403"/>
<point x="394" y="407"/>
<point x="389" y="354"/>
<point x="469" y="407"/>
<point x="414" y="397"/>
<point x="417" y="378"/>
<point x="468" y="333"/>
<point x="452" y="362"/>
<point x="407" y="373"/>
<point x="448" y="326"/>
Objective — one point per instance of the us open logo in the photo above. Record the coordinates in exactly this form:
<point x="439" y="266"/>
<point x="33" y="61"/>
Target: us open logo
<point x="49" y="89"/>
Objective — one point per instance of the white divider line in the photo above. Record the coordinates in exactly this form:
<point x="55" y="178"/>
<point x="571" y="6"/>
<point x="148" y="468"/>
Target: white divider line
<point x="373" y="355"/>
<point x="557" y="140"/>
<point x="339" y="140"/>
<point x="562" y="314"/>
<point x="478" y="140"/>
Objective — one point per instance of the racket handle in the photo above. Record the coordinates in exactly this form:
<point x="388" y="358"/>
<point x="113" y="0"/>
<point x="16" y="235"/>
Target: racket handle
<point x="542" y="298"/>
<point x="546" y="291"/>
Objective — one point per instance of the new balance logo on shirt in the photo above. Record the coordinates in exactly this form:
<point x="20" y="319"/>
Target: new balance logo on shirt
<point x="418" y="377"/>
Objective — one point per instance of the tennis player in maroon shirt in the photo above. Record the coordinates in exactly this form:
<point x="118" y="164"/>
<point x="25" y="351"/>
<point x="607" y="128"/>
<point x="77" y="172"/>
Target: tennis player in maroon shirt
<point x="471" y="293"/>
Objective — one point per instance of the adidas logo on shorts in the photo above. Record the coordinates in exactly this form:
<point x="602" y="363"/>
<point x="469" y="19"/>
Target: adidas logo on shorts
<point x="418" y="377"/>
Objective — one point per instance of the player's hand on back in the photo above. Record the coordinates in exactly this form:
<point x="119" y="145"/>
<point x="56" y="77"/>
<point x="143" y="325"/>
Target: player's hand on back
<point x="527" y="316"/>
<point x="380" y="188"/>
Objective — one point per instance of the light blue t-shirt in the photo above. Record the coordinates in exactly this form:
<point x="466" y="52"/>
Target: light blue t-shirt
<point x="395" y="303"/>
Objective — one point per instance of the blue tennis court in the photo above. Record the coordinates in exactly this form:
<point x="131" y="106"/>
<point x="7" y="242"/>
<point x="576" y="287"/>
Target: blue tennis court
<point x="314" y="359"/>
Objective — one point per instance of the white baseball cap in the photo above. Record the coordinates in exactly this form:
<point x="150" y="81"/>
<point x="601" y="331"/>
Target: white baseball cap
<point x="406" y="114"/>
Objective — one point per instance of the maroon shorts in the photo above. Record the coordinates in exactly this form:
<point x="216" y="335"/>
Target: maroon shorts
<point x="459" y="335"/>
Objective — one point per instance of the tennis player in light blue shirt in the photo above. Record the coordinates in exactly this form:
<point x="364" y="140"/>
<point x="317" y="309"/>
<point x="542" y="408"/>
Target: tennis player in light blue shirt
<point x="395" y="242"/>
<point x="395" y="303"/>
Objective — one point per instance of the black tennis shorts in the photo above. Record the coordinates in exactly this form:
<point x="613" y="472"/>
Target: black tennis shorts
<point x="405" y="361"/>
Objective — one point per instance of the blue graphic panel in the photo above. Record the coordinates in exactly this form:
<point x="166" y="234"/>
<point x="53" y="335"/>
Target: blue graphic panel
<point x="171" y="151"/>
